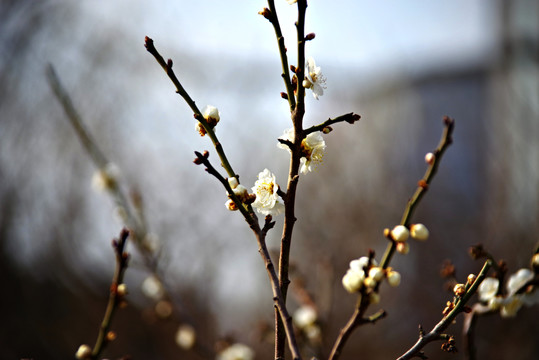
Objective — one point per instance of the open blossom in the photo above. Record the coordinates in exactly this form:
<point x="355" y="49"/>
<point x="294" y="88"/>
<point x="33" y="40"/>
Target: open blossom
<point x="314" y="79"/>
<point x="513" y="301"/>
<point x="267" y="200"/>
<point x="313" y="148"/>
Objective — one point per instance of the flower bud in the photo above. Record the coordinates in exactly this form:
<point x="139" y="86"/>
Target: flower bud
<point x="419" y="232"/>
<point x="84" y="352"/>
<point x="471" y="279"/>
<point x="231" y="205"/>
<point x="376" y="272"/>
<point x="400" y="233"/>
<point x="535" y="260"/>
<point x="233" y="182"/>
<point x="310" y="36"/>
<point x="429" y="158"/>
<point x="459" y="289"/>
<point x="121" y="290"/>
<point x="393" y="278"/>
<point x="403" y="248"/>
<point x="370" y="282"/>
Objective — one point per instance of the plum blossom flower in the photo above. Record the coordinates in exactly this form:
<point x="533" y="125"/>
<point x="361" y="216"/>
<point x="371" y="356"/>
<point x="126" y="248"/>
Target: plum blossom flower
<point x="313" y="148"/>
<point x="236" y="352"/>
<point x="513" y="301"/>
<point x="267" y="200"/>
<point x="355" y="276"/>
<point x="314" y="79"/>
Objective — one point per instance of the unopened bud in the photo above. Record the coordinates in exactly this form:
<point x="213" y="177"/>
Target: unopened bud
<point x="327" y="129"/>
<point x="233" y="182"/>
<point x="471" y="279"/>
<point x="535" y="260"/>
<point x="121" y="290"/>
<point x="403" y="248"/>
<point x="400" y="233"/>
<point x="374" y="298"/>
<point x="111" y="336"/>
<point x="293" y="69"/>
<point x="429" y="158"/>
<point x="393" y="278"/>
<point x="169" y="63"/>
<point x="265" y="13"/>
<point x="419" y="232"/>
<point x="284" y="95"/>
<point x="84" y="352"/>
<point x="459" y="289"/>
<point x="310" y="36"/>
<point x="231" y="205"/>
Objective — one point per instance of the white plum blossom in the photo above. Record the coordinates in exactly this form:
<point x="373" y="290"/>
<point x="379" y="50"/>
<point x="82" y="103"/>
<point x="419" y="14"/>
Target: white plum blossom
<point x="313" y="148"/>
<point x="314" y="79"/>
<point x="419" y="232"/>
<point x="267" y="200"/>
<point x="400" y="233"/>
<point x="236" y="352"/>
<point x="513" y="301"/>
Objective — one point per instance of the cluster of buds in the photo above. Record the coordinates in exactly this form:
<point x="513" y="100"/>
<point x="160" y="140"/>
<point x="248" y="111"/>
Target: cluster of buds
<point x="521" y="290"/>
<point x="211" y="115"/>
<point x="306" y="320"/>
<point x="365" y="274"/>
<point x="400" y="233"/>
<point x="241" y="192"/>
<point x="459" y="290"/>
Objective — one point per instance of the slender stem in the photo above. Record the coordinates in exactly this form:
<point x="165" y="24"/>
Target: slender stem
<point x="114" y="298"/>
<point x="282" y="52"/>
<point x="423" y="184"/>
<point x="436" y="332"/>
<point x="355" y="320"/>
<point x="167" y="67"/>
<point x="349" y="118"/>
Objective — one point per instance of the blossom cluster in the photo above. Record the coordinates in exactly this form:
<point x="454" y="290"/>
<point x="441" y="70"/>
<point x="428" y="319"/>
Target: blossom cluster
<point x="401" y="233"/>
<point x="519" y="293"/>
<point x="364" y="273"/>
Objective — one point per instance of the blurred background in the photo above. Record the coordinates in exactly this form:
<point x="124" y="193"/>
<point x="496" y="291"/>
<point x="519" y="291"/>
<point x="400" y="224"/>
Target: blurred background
<point x="402" y="66"/>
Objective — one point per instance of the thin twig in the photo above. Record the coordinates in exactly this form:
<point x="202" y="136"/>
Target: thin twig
<point x="437" y="332"/>
<point x="115" y="298"/>
<point x="282" y="52"/>
<point x="167" y="67"/>
<point x="349" y="118"/>
<point x="357" y="317"/>
<point x="423" y="184"/>
<point x="260" y="234"/>
<point x="134" y="219"/>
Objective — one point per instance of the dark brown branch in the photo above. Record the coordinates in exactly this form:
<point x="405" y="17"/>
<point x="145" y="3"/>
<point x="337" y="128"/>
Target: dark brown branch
<point x="349" y="118"/>
<point x="167" y="67"/>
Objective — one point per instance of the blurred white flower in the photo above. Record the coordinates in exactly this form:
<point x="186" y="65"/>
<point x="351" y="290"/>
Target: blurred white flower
<point x="353" y="280"/>
<point x="518" y="280"/>
<point x="83" y="352"/>
<point x="314" y="79"/>
<point x="267" y="201"/>
<point x="152" y="288"/>
<point x="488" y="289"/>
<point x="185" y="336"/>
<point x="236" y="352"/>
<point x="106" y="178"/>
<point x="304" y="316"/>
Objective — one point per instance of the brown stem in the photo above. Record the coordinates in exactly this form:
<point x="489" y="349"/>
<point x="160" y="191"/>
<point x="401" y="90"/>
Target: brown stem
<point x="114" y="298"/>
<point x="423" y="184"/>
<point x="436" y="332"/>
